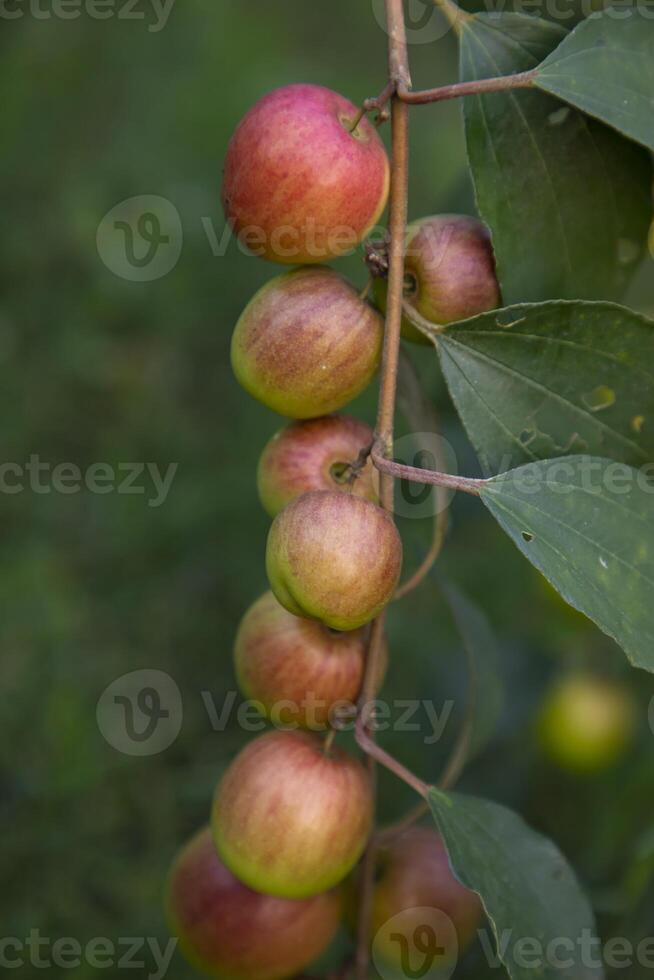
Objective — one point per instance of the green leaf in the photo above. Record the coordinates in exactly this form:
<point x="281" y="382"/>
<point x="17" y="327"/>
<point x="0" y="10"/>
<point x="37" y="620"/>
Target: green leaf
<point x="529" y="892"/>
<point x="567" y="200"/>
<point x="553" y="379"/>
<point x="588" y="525"/>
<point x="486" y="688"/>
<point x="606" y="68"/>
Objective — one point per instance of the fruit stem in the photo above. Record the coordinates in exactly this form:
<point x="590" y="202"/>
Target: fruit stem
<point x="357" y="467"/>
<point x="329" y="741"/>
<point x="399" y="75"/>
<point x="374" y="105"/>
<point x="481" y="86"/>
<point x="432" y="477"/>
<point x="366" y="289"/>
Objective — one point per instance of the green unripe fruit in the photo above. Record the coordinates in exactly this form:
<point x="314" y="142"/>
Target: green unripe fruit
<point x="227" y="930"/>
<point x="307" y="344"/>
<point x="289" y="818"/>
<point x="335" y="558"/>
<point x="586" y="723"/>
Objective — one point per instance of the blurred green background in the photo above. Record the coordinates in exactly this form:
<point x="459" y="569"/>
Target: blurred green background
<point x="97" y="368"/>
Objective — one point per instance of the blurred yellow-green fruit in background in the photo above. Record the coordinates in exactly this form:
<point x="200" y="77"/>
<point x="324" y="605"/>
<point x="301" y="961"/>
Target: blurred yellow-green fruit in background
<point x="586" y="722"/>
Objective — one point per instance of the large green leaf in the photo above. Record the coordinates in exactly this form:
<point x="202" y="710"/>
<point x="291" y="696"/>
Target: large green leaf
<point x="539" y="916"/>
<point x="588" y="525"/>
<point x="552" y="379"/>
<point x="606" y="68"/>
<point x="567" y="200"/>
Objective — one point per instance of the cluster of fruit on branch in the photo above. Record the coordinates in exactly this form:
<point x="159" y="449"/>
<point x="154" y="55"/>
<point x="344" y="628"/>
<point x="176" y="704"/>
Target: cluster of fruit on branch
<point x="260" y="893"/>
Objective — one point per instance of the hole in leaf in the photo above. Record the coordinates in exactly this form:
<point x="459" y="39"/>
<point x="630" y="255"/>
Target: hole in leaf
<point x="600" y="398"/>
<point x="527" y="536"/>
<point x="628" y="251"/>
<point x="559" y="116"/>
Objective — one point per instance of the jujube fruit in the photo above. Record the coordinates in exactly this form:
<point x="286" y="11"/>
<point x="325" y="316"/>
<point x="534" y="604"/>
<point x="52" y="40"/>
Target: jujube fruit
<point x="415" y="874"/>
<point x="316" y="454"/>
<point x="449" y="271"/>
<point x="227" y="930"/>
<point x="290" y="818"/>
<point x="299" y="186"/>
<point x="586" y="722"/>
<point x="297" y="669"/>
<point x="334" y="557"/>
<point x="307" y="343"/>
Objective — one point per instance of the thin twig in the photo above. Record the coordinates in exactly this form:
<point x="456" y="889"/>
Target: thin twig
<point x="431" y="477"/>
<point x="358" y="466"/>
<point x="369" y="745"/>
<point x="428" y="562"/>
<point x="421" y="416"/>
<point x="399" y="75"/>
<point x="482" y="86"/>
<point x="374" y="105"/>
<point x="366" y="289"/>
<point x="454" y="766"/>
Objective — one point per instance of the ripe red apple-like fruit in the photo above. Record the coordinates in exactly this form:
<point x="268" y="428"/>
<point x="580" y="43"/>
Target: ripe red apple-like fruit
<point x="300" y="671"/>
<point x="225" y="929"/>
<point x="307" y="343"/>
<point x="449" y="271"/>
<point x="334" y="557"/>
<point x="415" y="876"/>
<point x="291" y="818"/>
<point x="587" y="722"/>
<point x="316" y="454"/>
<point x="299" y="185"/>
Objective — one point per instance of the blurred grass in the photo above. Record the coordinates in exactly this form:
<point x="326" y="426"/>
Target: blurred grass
<point x="95" y="368"/>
